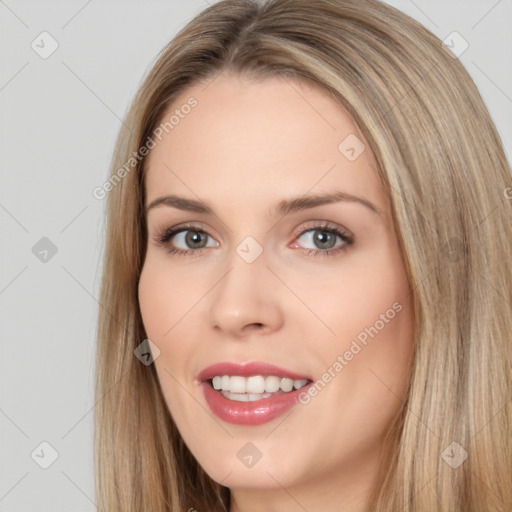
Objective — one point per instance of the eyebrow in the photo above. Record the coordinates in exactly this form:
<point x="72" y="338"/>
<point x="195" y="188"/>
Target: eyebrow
<point x="284" y="207"/>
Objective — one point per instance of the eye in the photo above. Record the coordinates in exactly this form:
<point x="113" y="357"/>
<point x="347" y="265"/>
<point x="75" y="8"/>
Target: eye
<point x="324" y="238"/>
<point x="185" y="240"/>
<point x="191" y="239"/>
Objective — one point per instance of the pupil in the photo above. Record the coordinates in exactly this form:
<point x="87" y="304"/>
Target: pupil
<point x="324" y="236"/>
<point x="194" y="237"/>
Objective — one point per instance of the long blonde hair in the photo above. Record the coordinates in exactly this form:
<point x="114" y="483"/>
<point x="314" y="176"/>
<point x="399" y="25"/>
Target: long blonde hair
<point x="442" y="162"/>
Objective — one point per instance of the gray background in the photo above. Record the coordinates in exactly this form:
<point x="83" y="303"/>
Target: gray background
<point x="59" y="119"/>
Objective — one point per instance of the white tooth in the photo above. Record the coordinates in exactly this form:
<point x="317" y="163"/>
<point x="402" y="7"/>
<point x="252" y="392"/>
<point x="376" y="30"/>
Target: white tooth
<point x="217" y="382"/>
<point x="239" y="397"/>
<point x="224" y="385"/>
<point x="286" y="384"/>
<point x="297" y="384"/>
<point x="272" y="384"/>
<point x="237" y="384"/>
<point x="255" y="384"/>
<point x="254" y="396"/>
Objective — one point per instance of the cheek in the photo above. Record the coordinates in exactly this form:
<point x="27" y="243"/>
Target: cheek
<point x="163" y="308"/>
<point x="370" y="310"/>
<point x="377" y="337"/>
<point x="169" y="303"/>
<point x="353" y="296"/>
<point x="155" y="301"/>
<point x="164" y="299"/>
<point x="378" y="300"/>
<point x="367" y="364"/>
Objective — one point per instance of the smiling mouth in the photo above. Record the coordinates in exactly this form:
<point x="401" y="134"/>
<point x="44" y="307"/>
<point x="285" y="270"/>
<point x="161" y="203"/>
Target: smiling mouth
<point x="255" y="387"/>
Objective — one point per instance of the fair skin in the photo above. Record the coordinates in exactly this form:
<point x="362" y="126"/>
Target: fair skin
<point x="245" y="147"/>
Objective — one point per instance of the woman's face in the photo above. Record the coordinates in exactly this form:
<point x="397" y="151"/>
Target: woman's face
<point x="288" y="270"/>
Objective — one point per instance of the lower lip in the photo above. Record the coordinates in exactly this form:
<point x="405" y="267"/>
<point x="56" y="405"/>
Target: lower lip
<point x="250" y="413"/>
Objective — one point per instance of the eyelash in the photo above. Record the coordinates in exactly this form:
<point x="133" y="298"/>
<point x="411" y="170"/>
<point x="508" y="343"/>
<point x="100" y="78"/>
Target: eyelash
<point x="163" y="238"/>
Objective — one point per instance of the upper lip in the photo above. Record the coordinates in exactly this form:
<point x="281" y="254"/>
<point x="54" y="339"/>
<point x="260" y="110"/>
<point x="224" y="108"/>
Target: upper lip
<point x="248" y="369"/>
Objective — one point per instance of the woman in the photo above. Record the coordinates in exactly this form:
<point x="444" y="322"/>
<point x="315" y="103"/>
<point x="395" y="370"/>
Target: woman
<point x="306" y="298"/>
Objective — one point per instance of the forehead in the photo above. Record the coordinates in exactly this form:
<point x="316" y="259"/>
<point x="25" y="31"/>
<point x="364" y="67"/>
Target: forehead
<point x="257" y="142"/>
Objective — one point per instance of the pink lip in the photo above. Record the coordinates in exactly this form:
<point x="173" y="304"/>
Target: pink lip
<point x="249" y="413"/>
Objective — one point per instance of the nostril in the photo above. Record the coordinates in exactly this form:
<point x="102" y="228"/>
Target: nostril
<point x="254" y="325"/>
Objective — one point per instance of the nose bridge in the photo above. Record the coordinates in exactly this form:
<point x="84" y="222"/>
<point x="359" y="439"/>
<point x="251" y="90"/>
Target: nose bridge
<point x="246" y="295"/>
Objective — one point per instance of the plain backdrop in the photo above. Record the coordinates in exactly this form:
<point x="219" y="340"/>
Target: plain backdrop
<point x="60" y="115"/>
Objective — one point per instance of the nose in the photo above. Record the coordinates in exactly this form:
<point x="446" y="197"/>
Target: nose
<point x="246" y="300"/>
